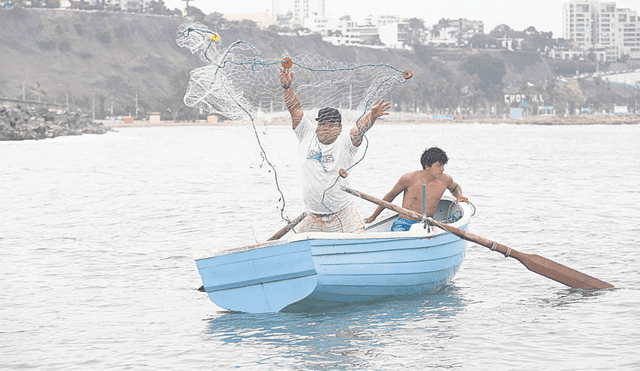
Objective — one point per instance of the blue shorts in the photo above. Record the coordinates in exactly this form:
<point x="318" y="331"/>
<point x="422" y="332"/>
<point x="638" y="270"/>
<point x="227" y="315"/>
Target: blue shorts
<point x="402" y="224"/>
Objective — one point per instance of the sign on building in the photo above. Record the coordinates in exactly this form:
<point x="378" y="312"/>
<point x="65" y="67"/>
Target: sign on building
<point x="620" y="109"/>
<point x="519" y="98"/>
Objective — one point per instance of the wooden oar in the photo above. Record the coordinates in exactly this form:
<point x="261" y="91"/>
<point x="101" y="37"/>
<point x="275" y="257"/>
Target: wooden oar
<point x="534" y="263"/>
<point x="288" y="227"/>
<point x="278" y="234"/>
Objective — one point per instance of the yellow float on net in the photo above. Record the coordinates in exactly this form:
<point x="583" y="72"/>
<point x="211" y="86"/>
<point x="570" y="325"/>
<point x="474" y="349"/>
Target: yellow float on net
<point x="215" y="37"/>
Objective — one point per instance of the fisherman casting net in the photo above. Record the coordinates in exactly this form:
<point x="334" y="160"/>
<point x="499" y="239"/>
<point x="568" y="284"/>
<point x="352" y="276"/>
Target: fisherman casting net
<point x="240" y="84"/>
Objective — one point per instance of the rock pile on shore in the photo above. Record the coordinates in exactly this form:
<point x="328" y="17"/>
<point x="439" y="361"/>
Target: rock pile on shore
<point x="40" y="123"/>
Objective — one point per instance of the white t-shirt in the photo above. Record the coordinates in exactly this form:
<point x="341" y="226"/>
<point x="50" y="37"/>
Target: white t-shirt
<point x="320" y="168"/>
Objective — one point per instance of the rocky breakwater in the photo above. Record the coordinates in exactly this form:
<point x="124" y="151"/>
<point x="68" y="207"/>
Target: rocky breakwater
<point x="40" y="123"/>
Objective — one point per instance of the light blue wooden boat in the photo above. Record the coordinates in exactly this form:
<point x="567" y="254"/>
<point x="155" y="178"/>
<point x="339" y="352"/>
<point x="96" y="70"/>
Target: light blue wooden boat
<point x="307" y="271"/>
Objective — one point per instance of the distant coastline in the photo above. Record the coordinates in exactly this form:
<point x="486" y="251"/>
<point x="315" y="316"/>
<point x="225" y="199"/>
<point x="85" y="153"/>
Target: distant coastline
<point x="26" y="124"/>
<point x="533" y="120"/>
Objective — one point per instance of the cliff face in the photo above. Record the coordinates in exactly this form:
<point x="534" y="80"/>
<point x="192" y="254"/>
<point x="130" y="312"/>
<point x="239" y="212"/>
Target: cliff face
<point x="101" y="61"/>
<point x="116" y="55"/>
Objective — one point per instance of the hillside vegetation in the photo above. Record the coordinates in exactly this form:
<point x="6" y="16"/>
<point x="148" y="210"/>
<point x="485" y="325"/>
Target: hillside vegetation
<point x="101" y="61"/>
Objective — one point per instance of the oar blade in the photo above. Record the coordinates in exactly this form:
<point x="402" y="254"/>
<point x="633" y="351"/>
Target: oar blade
<point x="559" y="272"/>
<point x="535" y="263"/>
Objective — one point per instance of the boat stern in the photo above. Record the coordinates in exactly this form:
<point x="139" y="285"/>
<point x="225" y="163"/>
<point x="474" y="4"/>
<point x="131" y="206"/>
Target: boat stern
<point x="262" y="278"/>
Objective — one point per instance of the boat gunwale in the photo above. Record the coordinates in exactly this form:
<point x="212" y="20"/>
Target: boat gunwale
<point x="414" y="233"/>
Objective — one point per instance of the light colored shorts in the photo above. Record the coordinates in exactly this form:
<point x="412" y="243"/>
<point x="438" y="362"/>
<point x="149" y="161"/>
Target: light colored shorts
<point x="346" y="220"/>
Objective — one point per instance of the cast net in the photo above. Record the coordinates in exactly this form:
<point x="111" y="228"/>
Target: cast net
<point x="241" y="85"/>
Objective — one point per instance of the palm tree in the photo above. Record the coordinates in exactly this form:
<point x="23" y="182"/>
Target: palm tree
<point x="416" y="30"/>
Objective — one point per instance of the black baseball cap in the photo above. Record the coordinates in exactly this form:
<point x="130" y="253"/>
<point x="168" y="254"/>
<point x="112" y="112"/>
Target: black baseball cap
<point x="329" y="115"/>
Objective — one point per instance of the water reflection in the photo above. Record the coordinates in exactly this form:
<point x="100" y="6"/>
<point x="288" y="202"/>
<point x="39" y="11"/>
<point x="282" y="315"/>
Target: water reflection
<point x="349" y="336"/>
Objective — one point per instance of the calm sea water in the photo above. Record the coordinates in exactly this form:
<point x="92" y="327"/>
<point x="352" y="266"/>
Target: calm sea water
<point x="97" y="235"/>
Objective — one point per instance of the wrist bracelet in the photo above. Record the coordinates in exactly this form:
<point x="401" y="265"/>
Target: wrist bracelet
<point x="286" y="86"/>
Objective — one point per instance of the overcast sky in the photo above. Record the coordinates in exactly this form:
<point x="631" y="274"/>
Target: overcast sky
<point x="544" y="15"/>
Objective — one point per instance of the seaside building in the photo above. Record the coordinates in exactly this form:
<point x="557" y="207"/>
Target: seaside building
<point x="595" y="25"/>
<point x="465" y="29"/>
<point x="394" y="35"/>
<point x="379" y="20"/>
<point x="349" y="32"/>
<point x="454" y="32"/>
<point x="308" y="9"/>
<point x="135" y="6"/>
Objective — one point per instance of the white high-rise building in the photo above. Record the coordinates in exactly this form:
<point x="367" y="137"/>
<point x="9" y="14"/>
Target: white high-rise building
<point x="602" y="25"/>
<point x="303" y="9"/>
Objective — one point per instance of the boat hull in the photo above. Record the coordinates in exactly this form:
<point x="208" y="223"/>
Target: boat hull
<point x="319" y="269"/>
<point x="379" y="268"/>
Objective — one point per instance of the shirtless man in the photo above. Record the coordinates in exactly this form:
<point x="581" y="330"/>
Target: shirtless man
<point x="432" y="175"/>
